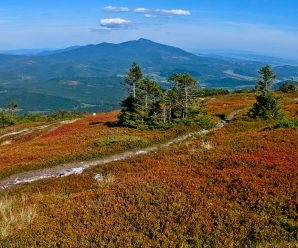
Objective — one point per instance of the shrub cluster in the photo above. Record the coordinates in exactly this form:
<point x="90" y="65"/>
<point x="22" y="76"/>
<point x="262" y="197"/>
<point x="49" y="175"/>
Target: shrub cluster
<point x="287" y="123"/>
<point x="212" y="92"/>
<point x="128" y="141"/>
<point x="289" y="87"/>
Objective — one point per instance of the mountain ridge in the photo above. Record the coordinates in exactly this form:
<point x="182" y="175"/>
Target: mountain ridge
<point x="93" y="74"/>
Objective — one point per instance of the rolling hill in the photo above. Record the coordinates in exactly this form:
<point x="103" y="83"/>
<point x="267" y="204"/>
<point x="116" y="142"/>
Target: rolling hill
<point x="89" y="77"/>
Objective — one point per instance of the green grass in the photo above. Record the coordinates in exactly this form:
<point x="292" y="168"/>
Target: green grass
<point x="123" y="140"/>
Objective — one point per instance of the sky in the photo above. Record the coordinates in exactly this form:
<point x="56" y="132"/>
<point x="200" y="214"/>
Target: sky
<point x="263" y="26"/>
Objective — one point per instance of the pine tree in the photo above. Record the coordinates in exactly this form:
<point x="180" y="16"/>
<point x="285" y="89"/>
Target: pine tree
<point x="267" y="105"/>
<point x="131" y="112"/>
<point x="133" y="77"/>
<point x="170" y="104"/>
<point x="150" y="94"/>
<point x="185" y="86"/>
<point x="266" y="78"/>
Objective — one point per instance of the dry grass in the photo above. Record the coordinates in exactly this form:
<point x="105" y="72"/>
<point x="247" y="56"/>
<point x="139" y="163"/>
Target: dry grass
<point x="109" y="178"/>
<point x="207" y="145"/>
<point x="15" y="215"/>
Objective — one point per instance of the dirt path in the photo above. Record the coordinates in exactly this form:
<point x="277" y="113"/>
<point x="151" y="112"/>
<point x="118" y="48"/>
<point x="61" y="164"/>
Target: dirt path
<point x="65" y="170"/>
<point x="232" y="115"/>
<point x="8" y="138"/>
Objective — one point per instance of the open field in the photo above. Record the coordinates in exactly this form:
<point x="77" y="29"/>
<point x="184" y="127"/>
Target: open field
<point x="41" y="145"/>
<point x="234" y="187"/>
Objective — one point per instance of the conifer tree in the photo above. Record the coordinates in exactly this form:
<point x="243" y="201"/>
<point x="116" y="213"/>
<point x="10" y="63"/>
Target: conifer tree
<point x="185" y="86"/>
<point x="170" y="104"/>
<point x="150" y="106"/>
<point x="267" y="105"/>
<point x="266" y="78"/>
<point x="133" y="77"/>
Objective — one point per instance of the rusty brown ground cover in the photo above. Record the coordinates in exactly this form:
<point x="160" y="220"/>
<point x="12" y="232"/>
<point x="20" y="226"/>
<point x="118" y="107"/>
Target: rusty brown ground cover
<point x="240" y="191"/>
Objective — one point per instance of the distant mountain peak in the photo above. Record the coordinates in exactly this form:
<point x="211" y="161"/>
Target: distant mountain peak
<point x="144" y="40"/>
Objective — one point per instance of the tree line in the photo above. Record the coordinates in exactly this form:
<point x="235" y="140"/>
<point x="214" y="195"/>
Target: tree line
<point x="148" y="105"/>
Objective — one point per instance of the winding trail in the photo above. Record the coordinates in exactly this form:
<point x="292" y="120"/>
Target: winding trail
<point x="8" y="138"/>
<point x="76" y="168"/>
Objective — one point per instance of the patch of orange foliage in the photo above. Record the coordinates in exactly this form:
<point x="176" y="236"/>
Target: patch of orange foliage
<point x="240" y="193"/>
<point x="243" y="192"/>
<point x="69" y="142"/>
<point x="223" y="105"/>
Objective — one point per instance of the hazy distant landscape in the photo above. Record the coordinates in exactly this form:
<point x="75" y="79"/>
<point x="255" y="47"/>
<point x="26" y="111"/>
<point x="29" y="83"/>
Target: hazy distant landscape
<point x="88" y="78"/>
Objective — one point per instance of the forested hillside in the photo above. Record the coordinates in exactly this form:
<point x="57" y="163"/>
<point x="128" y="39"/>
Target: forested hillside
<point x="89" y="77"/>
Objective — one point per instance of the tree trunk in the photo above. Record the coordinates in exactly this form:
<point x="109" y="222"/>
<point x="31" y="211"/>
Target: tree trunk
<point x="170" y="113"/>
<point x="11" y="116"/>
<point x="186" y="101"/>
<point x="134" y="90"/>
<point x="154" y="110"/>
<point x="146" y="103"/>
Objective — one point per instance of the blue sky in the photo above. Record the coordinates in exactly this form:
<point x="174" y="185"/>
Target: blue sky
<point x="264" y="26"/>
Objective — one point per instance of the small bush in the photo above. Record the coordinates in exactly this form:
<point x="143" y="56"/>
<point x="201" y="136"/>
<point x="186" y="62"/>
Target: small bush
<point x="28" y="118"/>
<point x="267" y="106"/>
<point x="122" y="140"/>
<point x="5" y="119"/>
<point x="244" y="90"/>
<point x="202" y="121"/>
<point x="64" y="115"/>
<point x="289" y="87"/>
<point x="286" y="123"/>
<point x="212" y="92"/>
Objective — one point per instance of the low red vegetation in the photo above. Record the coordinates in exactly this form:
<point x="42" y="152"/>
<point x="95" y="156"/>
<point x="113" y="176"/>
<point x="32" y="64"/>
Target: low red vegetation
<point x="224" y="105"/>
<point x="65" y="142"/>
<point x="242" y="192"/>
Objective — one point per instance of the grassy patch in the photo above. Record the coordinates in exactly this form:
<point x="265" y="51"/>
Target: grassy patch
<point x="14" y="215"/>
<point x="287" y="123"/>
<point x="127" y="141"/>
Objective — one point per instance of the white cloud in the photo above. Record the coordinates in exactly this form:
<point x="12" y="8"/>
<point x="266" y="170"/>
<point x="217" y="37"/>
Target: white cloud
<point x="141" y="10"/>
<point x="113" y="23"/>
<point x="149" y="15"/>
<point x="152" y="13"/>
<point x="116" y="9"/>
<point x="173" y="12"/>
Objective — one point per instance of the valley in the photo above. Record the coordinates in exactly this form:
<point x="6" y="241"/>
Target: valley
<point x="76" y="77"/>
